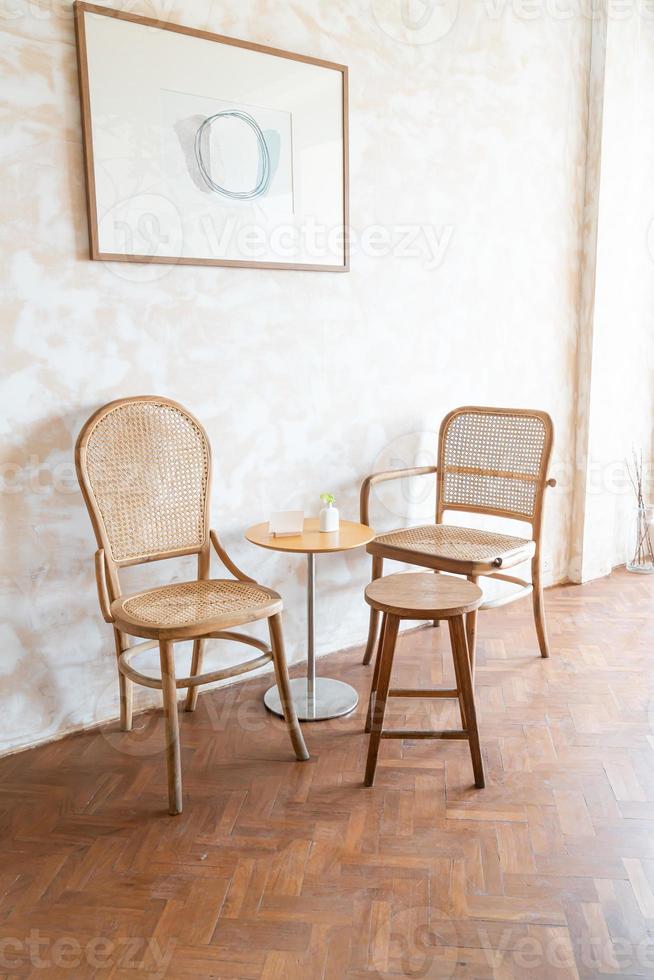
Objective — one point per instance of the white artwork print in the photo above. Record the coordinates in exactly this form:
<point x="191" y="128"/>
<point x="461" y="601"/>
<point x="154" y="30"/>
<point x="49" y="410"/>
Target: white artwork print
<point x="235" y="152"/>
<point x="214" y="152"/>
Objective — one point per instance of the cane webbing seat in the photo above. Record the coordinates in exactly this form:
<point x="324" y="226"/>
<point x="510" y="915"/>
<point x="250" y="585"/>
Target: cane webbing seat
<point x="204" y="605"/>
<point x="452" y="543"/>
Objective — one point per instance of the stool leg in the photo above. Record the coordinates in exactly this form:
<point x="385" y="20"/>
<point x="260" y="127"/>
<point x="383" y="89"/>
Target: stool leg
<point x="436" y="622"/>
<point x="459" y="647"/>
<point x="375" y="676"/>
<point x="459" y="685"/>
<point x="379" y="710"/>
<point x="471" y="631"/>
<point x="377" y="572"/>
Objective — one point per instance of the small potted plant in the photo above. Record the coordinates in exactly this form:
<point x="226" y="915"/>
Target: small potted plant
<point x="329" y="513"/>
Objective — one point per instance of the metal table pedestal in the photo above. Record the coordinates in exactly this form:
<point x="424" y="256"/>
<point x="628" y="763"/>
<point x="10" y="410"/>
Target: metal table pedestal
<point x="315" y="698"/>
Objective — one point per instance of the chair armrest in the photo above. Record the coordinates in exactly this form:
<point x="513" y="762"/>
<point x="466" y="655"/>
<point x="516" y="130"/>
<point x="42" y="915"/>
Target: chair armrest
<point x="384" y="477"/>
<point x="227" y="561"/>
<point x="101" y="583"/>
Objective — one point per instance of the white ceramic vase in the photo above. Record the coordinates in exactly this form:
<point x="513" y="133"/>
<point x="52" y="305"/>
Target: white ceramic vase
<point x="329" y="518"/>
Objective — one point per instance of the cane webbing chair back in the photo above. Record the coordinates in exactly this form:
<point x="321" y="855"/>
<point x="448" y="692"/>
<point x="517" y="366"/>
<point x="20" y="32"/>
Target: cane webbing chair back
<point x="494" y="461"/>
<point x="145" y="465"/>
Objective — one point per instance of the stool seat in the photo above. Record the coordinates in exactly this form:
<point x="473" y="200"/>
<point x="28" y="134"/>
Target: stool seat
<point x="423" y="595"/>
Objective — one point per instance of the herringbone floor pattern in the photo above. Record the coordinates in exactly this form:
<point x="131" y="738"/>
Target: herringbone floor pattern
<point x="278" y="869"/>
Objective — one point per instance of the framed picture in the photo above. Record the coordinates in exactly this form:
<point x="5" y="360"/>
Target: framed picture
<point x="204" y="150"/>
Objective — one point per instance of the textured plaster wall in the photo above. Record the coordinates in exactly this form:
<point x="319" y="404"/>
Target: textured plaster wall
<point x="305" y="381"/>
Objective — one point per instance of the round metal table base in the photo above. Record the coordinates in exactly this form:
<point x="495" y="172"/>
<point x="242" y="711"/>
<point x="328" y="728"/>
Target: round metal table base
<point x="332" y="699"/>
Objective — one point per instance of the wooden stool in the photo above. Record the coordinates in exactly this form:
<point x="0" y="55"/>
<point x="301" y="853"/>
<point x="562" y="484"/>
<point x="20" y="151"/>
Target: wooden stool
<point x="423" y="595"/>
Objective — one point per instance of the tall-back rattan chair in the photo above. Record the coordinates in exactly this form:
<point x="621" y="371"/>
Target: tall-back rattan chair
<point x="490" y="461"/>
<point x="144" y="467"/>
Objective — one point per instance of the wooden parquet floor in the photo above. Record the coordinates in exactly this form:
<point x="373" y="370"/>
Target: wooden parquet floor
<point x="278" y="869"/>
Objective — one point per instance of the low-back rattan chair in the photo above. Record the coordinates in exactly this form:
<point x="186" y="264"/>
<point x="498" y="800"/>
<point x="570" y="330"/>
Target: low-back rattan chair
<point x="490" y="461"/>
<point x="144" y="467"/>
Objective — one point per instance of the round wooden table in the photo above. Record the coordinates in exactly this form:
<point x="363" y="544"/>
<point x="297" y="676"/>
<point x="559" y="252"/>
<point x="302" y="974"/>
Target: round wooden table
<point x="316" y="698"/>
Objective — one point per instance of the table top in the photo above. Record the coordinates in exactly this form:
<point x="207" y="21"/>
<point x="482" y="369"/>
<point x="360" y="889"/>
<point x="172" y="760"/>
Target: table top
<point x="312" y="540"/>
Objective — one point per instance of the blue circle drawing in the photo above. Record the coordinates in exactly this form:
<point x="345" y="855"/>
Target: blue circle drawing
<point x="264" y="156"/>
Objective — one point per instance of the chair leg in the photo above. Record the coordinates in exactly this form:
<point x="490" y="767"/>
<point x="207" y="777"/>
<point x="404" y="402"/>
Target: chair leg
<point x="375" y="676"/>
<point x="124" y="686"/>
<point x="283" y="685"/>
<point x="377" y="572"/>
<point x="387" y="654"/>
<point x="459" y="649"/>
<point x="539" y="607"/>
<point x="126" y="690"/>
<point x="173" y="759"/>
<point x="471" y="632"/>
<point x="196" y="667"/>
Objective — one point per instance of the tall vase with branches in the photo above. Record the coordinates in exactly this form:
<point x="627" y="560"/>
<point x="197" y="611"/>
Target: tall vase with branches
<point x="640" y="552"/>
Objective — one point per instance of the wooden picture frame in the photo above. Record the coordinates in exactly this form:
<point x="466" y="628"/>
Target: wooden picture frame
<point x="155" y="185"/>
